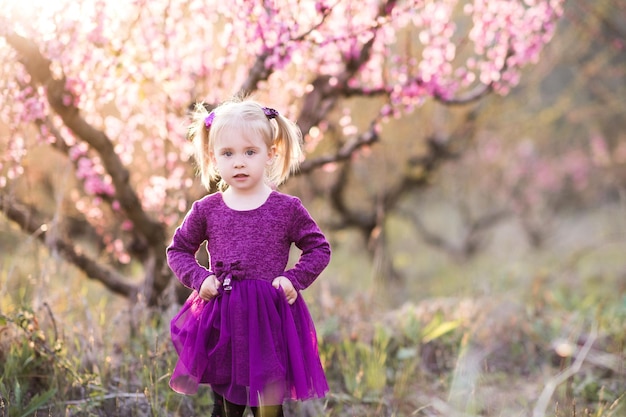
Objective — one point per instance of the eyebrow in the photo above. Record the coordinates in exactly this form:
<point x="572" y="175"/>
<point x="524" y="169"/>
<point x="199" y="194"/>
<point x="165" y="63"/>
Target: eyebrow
<point x="228" y="148"/>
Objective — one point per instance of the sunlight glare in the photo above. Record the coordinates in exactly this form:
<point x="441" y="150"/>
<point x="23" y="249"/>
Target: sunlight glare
<point x="43" y="16"/>
<point x="32" y="14"/>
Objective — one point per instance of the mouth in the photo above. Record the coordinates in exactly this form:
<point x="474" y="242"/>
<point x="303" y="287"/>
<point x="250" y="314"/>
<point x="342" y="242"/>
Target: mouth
<point x="240" y="176"/>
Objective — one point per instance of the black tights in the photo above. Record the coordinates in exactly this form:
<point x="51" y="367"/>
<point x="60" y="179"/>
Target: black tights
<point x="224" y="408"/>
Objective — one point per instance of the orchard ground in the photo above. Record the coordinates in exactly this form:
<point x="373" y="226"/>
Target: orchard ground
<point x="488" y="337"/>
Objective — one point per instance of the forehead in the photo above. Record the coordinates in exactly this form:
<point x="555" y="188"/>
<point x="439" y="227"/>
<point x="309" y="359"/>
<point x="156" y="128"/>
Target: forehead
<point x="233" y="136"/>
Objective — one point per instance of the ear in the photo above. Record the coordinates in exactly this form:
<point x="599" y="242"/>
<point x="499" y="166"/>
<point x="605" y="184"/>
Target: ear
<point x="271" y="154"/>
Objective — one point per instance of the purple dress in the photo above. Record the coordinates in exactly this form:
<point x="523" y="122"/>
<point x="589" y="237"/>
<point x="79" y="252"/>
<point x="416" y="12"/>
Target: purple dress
<point x="248" y="343"/>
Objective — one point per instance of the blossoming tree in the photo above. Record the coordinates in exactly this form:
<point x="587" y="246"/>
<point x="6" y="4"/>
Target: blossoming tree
<point x="106" y="87"/>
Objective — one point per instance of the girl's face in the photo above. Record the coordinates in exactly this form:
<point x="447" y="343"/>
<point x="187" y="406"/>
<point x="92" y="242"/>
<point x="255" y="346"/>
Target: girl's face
<point x="241" y="159"/>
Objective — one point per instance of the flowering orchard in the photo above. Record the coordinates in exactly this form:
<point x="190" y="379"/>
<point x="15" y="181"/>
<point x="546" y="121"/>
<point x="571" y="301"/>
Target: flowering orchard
<point x="106" y="86"/>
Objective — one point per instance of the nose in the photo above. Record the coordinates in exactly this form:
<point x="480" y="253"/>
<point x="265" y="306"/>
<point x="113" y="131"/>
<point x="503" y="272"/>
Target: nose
<point x="238" y="163"/>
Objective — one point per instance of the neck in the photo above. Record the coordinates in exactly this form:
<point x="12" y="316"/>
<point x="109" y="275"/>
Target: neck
<point x="246" y="199"/>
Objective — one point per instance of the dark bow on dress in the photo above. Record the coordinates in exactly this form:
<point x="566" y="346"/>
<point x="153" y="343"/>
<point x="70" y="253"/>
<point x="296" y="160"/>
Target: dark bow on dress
<point x="226" y="274"/>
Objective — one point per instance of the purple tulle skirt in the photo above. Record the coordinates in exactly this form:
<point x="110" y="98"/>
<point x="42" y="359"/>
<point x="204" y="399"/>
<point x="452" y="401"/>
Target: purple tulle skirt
<point x="249" y="344"/>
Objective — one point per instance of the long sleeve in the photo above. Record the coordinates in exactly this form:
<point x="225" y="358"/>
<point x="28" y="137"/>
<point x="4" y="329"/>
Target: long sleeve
<point x="181" y="254"/>
<point x="308" y="237"/>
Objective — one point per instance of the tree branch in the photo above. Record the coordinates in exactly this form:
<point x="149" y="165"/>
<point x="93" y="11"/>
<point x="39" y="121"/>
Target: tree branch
<point x="258" y="72"/>
<point x="345" y="152"/>
<point x="151" y="233"/>
<point x="468" y="244"/>
<point x="39" y="69"/>
<point x="475" y="94"/>
<point x="365" y="222"/>
<point x="325" y="94"/>
<point x="31" y="222"/>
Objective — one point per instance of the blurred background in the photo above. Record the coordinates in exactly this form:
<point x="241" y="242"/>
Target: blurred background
<point x="467" y="161"/>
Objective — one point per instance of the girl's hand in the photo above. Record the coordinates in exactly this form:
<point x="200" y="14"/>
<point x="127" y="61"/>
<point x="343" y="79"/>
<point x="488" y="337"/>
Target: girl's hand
<point x="208" y="289"/>
<point x="288" y="288"/>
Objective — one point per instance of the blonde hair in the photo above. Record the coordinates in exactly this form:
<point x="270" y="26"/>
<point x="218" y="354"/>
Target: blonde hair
<point x="281" y="133"/>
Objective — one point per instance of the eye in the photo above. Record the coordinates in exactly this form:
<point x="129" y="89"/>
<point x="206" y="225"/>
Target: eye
<point x="227" y="153"/>
<point x="250" y="152"/>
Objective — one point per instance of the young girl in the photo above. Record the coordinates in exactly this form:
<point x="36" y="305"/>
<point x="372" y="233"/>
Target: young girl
<point x="245" y="330"/>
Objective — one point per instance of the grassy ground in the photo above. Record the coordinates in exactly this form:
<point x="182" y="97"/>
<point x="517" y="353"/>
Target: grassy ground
<point x="514" y="332"/>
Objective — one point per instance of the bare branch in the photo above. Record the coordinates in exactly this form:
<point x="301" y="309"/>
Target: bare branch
<point x="429" y="237"/>
<point x="468" y="245"/>
<point x="367" y="138"/>
<point x="31" y="222"/>
<point x="363" y="221"/>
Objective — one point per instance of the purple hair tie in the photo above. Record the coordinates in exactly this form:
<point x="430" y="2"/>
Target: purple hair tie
<point x="208" y="121"/>
<point x="270" y="113"/>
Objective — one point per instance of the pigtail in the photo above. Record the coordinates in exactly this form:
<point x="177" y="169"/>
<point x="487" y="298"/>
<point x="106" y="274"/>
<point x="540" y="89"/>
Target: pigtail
<point x="199" y="136"/>
<point x="288" y="142"/>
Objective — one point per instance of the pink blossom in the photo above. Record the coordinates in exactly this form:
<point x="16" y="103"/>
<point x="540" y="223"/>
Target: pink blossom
<point x="600" y="154"/>
<point x="132" y="68"/>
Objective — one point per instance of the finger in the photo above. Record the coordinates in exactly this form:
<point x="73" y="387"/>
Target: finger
<point x="207" y="295"/>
